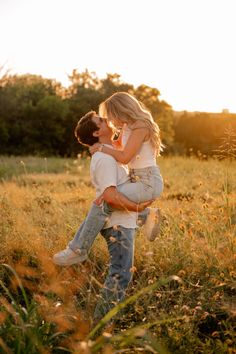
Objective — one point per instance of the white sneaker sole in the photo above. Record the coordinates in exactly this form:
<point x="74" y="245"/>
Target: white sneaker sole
<point x="152" y="225"/>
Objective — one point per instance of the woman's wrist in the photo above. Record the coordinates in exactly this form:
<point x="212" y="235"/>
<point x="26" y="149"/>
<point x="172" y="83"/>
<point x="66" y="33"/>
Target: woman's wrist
<point x="100" y="148"/>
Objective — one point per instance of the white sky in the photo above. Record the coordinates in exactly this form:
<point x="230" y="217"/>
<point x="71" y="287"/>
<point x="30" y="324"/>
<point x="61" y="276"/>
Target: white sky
<point x="185" y="48"/>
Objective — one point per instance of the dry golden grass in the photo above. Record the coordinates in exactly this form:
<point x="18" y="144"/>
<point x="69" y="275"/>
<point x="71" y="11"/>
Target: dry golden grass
<point x="39" y="214"/>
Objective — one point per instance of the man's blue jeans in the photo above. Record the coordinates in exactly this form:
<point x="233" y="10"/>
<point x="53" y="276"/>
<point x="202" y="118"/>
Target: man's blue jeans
<point x="120" y="242"/>
<point x="88" y="230"/>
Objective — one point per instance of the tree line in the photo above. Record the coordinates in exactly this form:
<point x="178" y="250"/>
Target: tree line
<point x="38" y="115"/>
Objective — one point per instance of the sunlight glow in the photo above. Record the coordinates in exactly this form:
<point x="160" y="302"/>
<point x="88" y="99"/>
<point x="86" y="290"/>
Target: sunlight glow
<point x="184" y="48"/>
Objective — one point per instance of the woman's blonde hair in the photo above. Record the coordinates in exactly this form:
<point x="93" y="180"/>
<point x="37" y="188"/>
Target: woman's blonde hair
<point x="128" y="109"/>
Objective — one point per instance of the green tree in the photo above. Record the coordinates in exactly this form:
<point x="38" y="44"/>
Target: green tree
<point x="201" y="133"/>
<point x="50" y="127"/>
<point x="113" y="83"/>
<point x="19" y="97"/>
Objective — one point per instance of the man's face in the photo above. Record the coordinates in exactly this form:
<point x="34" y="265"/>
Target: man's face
<point x="104" y="129"/>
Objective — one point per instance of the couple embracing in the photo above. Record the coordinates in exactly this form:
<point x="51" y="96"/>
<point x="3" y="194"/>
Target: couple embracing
<point x="127" y="180"/>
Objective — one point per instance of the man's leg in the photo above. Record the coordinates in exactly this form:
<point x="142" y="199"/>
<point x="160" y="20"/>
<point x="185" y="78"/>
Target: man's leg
<point x="121" y="249"/>
<point x="67" y="256"/>
<point x="78" y="248"/>
<point x="92" y="225"/>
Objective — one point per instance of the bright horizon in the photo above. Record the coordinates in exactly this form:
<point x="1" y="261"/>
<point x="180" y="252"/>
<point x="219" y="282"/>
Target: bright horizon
<point x="184" y="48"/>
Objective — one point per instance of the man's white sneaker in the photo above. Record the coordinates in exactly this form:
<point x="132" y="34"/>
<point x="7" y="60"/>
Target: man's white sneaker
<point x="68" y="257"/>
<point x="151" y="228"/>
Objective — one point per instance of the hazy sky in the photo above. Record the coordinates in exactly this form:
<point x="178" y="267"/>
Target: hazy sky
<point x="185" y="48"/>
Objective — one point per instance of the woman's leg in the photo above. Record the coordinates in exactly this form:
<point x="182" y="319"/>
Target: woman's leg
<point x="148" y="185"/>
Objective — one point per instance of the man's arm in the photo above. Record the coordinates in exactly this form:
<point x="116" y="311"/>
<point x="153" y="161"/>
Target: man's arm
<point x="119" y="201"/>
<point x="105" y="173"/>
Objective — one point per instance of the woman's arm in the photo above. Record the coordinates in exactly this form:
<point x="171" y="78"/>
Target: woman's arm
<point x="136" y="139"/>
<point x="118" y="142"/>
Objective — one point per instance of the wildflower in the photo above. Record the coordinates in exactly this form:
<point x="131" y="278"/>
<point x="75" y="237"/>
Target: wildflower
<point x="112" y="239"/>
<point x="133" y="269"/>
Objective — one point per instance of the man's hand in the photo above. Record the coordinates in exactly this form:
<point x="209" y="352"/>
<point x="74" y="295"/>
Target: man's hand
<point x="144" y="205"/>
<point x="119" y="201"/>
<point x="94" y="148"/>
<point x="99" y="200"/>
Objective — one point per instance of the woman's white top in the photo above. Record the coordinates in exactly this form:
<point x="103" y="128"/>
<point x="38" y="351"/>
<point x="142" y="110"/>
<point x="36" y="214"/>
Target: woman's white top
<point x="145" y="157"/>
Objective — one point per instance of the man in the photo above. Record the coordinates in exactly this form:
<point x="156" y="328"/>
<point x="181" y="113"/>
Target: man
<point x="119" y="230"/>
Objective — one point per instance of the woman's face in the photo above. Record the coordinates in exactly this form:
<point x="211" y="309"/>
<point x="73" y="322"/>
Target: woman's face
<point x="116" y="122"/>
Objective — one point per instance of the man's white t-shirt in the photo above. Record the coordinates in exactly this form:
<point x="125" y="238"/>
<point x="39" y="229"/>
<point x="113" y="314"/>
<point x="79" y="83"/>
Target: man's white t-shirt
<point x="105" y="172"/>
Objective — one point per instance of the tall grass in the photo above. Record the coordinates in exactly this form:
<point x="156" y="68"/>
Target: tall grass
<point x="182" y="298"/>
<point x="23" y="165"/>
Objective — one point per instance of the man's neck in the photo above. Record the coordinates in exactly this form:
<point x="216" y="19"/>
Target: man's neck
<point x="105" y="140"/>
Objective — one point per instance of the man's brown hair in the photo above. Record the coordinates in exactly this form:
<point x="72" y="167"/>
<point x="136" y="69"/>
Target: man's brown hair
<point x="85" y="129"/>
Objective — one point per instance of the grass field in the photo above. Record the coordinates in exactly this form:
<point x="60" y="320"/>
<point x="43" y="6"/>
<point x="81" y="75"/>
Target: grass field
<point x="183" y="295"/>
